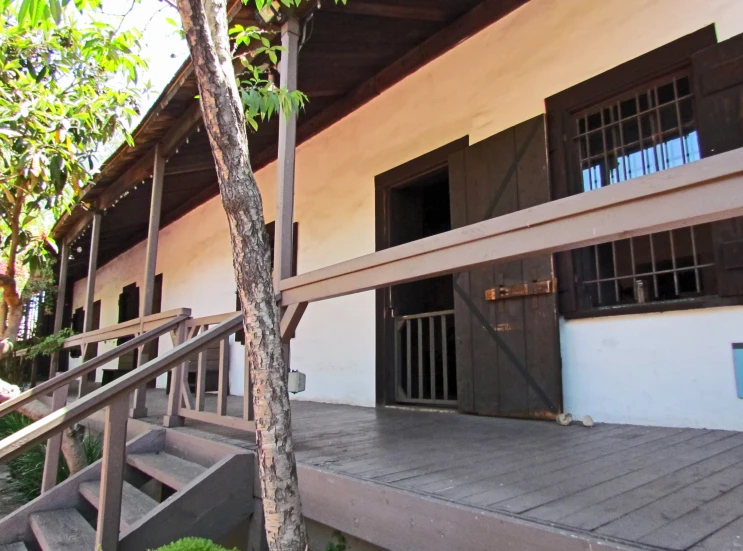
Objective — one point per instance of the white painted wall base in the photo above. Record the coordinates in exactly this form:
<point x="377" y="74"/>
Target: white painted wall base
<point x="673" y="369"/>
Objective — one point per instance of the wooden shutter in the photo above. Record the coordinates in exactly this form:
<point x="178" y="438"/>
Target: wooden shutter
<point x="718" y="87"/>
<point x="508" y="358"/>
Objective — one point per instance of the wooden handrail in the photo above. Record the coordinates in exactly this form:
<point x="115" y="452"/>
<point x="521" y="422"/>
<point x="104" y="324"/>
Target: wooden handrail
<point x="57" y="421"/>
<point x="85" y="368"/>
<point x="695" y="193"/>
<point x="125" y="329"/>
<point x="209" y="320"/>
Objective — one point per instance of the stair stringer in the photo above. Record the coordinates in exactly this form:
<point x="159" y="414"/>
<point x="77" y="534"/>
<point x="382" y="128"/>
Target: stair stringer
<point x="16" y="526"/>
<point x="208" y="507"/>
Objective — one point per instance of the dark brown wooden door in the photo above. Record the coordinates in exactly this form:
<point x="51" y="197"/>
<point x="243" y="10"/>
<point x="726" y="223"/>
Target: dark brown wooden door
<point x="718" y="89"/>
<point x="508" y="360"/>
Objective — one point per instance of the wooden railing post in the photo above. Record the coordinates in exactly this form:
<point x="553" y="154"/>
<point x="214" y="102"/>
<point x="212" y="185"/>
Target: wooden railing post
<point x="283" y="242"/>
<point x="224" y="376"/>
<point x="95" y="234"/>
<point x="172" y="419"/>
<point x="112" y="475"/>
<point x="53" y="445"/>
<point x="139" y="408"/>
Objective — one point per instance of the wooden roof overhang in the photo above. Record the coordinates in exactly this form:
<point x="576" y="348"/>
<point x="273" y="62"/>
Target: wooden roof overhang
<point x="352" y="53"/>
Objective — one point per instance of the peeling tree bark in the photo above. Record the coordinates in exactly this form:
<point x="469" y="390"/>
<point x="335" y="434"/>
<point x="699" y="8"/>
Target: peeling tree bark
<point x="206" y="26"/>
<point x="72" y="449"/>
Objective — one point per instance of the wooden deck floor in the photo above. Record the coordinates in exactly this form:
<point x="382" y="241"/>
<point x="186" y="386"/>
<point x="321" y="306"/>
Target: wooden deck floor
<point x="643" y="487"/>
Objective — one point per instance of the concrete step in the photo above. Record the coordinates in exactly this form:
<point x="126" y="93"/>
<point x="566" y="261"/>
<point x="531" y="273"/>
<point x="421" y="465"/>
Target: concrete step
<point x="62" y="530"/>
<point x="168" y="469"/>
<point x="134" y="504"/>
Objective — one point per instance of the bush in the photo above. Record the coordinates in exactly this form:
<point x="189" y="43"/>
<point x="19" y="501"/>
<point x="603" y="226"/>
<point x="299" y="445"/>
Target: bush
<point x="192" y="544"/>
<point x="27" y="470"/>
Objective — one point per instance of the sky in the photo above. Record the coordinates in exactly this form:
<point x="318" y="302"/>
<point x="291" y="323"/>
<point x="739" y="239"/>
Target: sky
<point x="163" y="48"/>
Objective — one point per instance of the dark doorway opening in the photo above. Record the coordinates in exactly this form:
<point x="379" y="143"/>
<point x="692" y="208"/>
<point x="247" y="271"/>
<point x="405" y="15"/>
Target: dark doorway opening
<point x="416" y="356"/>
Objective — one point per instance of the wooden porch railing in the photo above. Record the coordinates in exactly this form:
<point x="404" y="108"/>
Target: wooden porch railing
<point x="168" y="321"/>
<point x="115" y="398"/>
<point x="190" y="406"/>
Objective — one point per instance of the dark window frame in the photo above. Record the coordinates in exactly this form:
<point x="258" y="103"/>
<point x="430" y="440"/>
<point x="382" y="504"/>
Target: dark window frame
<point x="565" y="180"/>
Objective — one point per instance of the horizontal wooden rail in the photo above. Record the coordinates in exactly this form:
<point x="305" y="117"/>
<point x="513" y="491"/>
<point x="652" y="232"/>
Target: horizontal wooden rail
<point x="67" y="377"/>
<point x="209" y="320"/>
<point x="41" y="430"/>
<point x="699" y="192"/>
<point x="125" y="329"/>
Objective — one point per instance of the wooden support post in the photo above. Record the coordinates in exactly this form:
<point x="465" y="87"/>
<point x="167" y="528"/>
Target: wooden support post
<point x="95" y="235"/>
<point x="172" y="417"/>
<point x="64" y="258"/>
<point x="112" y="475"/>
<point x="248" y="414"/>
<point x="139" y="408"/>
<point x="53" y="445"/>
<point x="224" y="376"/>
<point x="283" y="242"/>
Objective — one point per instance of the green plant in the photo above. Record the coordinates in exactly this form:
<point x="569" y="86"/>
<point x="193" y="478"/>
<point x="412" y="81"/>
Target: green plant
<point x="337" y="542"/>
<point x="192" y="544"/>
<point x="27" y="470"/>
<point x="49" y="344"/>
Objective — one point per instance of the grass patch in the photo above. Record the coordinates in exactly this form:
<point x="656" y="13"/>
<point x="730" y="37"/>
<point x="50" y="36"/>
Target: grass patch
<point x="27" y="470"/>
<point x="192" y="544"/>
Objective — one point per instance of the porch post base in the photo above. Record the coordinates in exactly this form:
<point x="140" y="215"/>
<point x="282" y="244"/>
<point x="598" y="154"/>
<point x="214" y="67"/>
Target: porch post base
<point x="170" y="421"/>
<point x="137" y="413"/>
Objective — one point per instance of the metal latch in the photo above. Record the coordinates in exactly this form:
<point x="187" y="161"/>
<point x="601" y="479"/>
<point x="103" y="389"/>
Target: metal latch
<point x="546" y="287"/>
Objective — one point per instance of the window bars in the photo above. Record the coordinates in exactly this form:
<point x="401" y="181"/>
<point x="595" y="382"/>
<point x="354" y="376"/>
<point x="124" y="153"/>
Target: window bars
<point x="647" y="130"/>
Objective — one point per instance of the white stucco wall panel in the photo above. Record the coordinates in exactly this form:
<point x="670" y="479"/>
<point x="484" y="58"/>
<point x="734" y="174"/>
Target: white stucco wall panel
<point x="672" y="369"/>
<point x="488" y="83"/>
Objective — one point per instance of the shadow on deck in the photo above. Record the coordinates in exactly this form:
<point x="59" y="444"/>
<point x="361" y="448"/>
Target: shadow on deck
<point x="405" y="479"/>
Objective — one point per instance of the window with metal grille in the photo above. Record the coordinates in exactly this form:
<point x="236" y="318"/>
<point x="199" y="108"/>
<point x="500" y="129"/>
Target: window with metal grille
<point x="647" y="130"/>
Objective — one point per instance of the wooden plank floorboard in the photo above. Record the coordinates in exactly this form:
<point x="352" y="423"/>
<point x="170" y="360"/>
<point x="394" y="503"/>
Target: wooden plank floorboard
<point x="465" y="482"/>
<point x="728" y="538"/>
<point x="654" y="516"/>
<point x="648" y="487"/>
<point x="472" y="458"/>
<point x="491" y="453"/>
<point x="509" y="485"/>
<point x="612" y="508"/>
<point x="700" y="523"/>
<point x="537" y="490"/>
<point x="581" y="479"/>
<point x="558" y="510"/>
<point x="458" y="463"/>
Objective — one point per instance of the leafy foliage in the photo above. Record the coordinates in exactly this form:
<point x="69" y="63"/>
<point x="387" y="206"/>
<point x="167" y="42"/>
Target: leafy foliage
<point x="68" y="85"/>
<point x="49" y="344"/>
<point x="192" y="544"/>
<point x="26" y="471"/>
<point x="337" y="542"/>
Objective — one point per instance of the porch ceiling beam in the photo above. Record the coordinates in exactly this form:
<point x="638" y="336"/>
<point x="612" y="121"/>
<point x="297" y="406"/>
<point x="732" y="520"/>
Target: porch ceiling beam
<point x="700" y="192"/>
<point x="469" y="24"/>
<point x="416" y="13"/>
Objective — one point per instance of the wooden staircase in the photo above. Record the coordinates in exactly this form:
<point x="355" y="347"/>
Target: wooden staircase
<point x="175" y="485"/>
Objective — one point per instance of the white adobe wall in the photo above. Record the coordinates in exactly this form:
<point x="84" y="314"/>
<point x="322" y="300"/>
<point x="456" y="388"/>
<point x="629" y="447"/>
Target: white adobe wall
<point x="672" y="369"/>
<point x="488" y="83"/>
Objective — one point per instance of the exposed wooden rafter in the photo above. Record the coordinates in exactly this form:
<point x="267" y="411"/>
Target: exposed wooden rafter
<point x="418" y="13"/>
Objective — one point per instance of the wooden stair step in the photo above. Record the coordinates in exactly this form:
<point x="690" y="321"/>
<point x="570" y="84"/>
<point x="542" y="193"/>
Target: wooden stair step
<point x="17" y="546"/>
<point x="62" y="530"/>
<point x="134" y="503"/>
<point x="168" y="469"/>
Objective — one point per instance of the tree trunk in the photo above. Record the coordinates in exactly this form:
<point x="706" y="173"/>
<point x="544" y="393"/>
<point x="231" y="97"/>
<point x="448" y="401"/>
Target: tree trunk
<point x="72" y="448"/>
<point x="206" y="26"/>
<point x="13" y="312"/>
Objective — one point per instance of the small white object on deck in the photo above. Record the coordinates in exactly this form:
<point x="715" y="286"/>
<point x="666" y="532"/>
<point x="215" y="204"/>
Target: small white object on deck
<point x="564" y="419"/>
<point x="296" y="381"/>
<point x="588" y="421"/>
